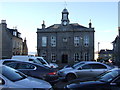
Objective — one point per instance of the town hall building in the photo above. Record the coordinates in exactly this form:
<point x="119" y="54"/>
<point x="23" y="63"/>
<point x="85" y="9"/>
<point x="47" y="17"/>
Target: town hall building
<point x="66" y="42"/>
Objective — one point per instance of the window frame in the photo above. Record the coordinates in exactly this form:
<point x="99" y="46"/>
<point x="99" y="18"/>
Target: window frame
<point x="53" y="41"/>
<point x="76" y="41"/>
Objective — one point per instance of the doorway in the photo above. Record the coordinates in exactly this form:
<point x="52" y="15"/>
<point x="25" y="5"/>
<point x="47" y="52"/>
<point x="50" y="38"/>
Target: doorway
<point x="64" y="58"/>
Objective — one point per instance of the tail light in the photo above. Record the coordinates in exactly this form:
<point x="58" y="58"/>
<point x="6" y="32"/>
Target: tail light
<point x="51" y="66"/>
<point x="52" y="73"/>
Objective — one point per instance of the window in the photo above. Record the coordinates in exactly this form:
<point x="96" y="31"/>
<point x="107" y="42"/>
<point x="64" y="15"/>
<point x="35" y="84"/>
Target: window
<point x="53" y="41"/>
<point x="76" y="57"/>
<point x="11" y="64"/>
<point x="86" y="56"/>
<point x="117" y="80"/>
<point x="53" y="57"/>
<point x="64" y="39"/>
<point x="43" y="54"/>
<point x="76" y="41"/>
<point x="15" y="33"/>
<point x="44" y="41"/>
<point x="19" y="35"/>
<point x="65" y="16"/>
<point x="86" y="67"/>
<point x="86" y="41"/>
<point x="26" y="66"/>
<point x="98" y="66"/>
<point x="12" y="74"/>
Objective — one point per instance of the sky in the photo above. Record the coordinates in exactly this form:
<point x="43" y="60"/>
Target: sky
<point x="28" y="16"/>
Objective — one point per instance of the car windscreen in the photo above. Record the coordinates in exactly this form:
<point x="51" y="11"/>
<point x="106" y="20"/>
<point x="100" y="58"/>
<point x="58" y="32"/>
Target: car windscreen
<point x="109" y="76"/>
<point x="77" y="65"/>
<point x="37" y="61"/>
<point x="12" y="74"/>
<point x="42" y="61"/>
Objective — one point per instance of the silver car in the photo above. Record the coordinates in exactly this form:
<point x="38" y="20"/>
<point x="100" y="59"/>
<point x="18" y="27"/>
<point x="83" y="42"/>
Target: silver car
<point x="83" y="69"/>
<point x="12" y="79"/>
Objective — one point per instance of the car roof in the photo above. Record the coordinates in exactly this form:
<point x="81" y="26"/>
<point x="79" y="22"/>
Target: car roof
<point x="88" y="62"/>
<point x="1" y="62"/>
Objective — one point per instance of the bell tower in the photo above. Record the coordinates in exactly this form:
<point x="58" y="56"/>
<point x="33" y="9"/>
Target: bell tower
<point x="65" y="21"/>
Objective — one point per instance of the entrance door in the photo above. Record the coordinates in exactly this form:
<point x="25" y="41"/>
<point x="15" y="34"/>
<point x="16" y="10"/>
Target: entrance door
<point x="64" y="58"/>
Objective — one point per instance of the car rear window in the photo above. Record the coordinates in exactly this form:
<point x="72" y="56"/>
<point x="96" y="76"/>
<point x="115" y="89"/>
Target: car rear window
<point x="12" y="74"/>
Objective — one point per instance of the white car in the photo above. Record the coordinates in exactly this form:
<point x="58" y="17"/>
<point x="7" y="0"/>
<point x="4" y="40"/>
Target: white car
<point x="33" y="59"/>
<point x="11" y="78"/>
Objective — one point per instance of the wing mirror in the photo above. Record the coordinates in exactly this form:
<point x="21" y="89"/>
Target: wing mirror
<point x="115" y="84"/>
<point x="80" y="68"/>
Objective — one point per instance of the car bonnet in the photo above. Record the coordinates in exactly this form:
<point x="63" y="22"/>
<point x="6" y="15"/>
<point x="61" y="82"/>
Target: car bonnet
<point x="33" y="83"/>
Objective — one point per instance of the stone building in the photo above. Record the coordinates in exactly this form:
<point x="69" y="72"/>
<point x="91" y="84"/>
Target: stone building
<point x="11" y="42"/>
<point x="25" y="48"/>
<point x="5" y="39"/>
<point x="116" y="49"/>
<point x="66" y="42"/>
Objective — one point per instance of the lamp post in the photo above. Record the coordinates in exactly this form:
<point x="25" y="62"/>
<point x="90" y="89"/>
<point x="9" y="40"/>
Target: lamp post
<point x="81" y="47"/>
<point x="98" y="46"/>
<point x="98" y="49"/>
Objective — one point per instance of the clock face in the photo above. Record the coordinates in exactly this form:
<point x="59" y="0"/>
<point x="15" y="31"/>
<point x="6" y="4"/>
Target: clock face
<point x="65" y="23"/>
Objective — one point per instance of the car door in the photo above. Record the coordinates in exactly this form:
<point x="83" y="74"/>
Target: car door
<point x="84" y="71"/>
<point x="27" y="68"/>
<point x="97" y="69"/>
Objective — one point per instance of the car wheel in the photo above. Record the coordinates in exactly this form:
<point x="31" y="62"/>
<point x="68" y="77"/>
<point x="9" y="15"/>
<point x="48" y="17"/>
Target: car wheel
<point x="70" y="77"/>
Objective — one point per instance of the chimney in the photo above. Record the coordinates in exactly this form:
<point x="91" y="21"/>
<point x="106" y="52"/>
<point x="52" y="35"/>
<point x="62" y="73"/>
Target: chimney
<point x="3" y="21"/>
<point x="43" y="25"/>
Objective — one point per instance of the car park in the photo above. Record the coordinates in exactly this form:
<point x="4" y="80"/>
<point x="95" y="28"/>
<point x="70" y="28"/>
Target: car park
<point x="33" y="69"/>
<point x="107" y="81"/>
<point x="11" y="79"/>
<point x="83" y="69"/>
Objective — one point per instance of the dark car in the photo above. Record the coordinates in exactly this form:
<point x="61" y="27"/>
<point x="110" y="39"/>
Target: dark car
<point x="108" y="81"/>
<point x="33" y="70"/>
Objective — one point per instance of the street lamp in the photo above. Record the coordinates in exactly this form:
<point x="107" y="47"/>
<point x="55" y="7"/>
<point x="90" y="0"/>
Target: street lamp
<point x="81" y="46"/>
<point x="98" y="46"/>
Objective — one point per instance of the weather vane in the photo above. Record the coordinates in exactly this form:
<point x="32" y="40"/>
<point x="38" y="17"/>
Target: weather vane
<point x="65" y="4"/>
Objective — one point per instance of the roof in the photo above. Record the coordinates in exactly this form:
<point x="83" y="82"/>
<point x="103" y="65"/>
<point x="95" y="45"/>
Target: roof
<point x="69" y="27"/>
<point x="65" y="11"/>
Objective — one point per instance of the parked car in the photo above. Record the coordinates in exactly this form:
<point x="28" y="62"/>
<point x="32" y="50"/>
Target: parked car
<point x="44" y="62"/>
<point x="39" y="60"/>
<point x="33" y="69"/>
<point x="11" y="78"/>
<point x="83" y="69"/>
<point x="108" y="81"/>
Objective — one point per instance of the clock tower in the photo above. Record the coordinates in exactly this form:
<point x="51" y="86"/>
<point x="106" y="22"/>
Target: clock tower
<point x="65" y="21"/>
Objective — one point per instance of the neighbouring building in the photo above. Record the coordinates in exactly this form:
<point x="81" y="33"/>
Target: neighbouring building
<point x="25" y="48"/>
<point x="105" y="55"/>
<point x="66" y="42"/>
<point x="116" y="49"/>
<point x="11" y="42"/>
